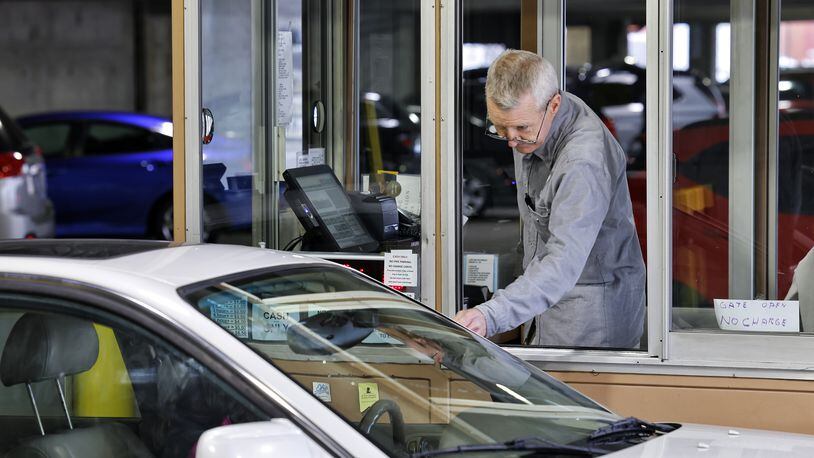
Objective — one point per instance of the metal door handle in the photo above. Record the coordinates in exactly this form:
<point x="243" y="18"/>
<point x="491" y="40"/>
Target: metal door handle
<point x="207" y="126"/>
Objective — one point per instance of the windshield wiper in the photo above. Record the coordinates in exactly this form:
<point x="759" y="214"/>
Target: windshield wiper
<point x="532" y="444"/>
<point x="626" y="429"/>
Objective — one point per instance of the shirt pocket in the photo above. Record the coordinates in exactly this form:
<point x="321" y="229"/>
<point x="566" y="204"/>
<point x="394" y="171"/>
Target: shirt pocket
<point x="539" y="219"/>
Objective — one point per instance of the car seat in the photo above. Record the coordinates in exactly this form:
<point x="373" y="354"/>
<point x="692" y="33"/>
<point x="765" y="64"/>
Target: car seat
<point x="44" y="347"/>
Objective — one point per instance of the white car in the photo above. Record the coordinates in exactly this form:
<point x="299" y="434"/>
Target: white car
<point x="133" y="348"/>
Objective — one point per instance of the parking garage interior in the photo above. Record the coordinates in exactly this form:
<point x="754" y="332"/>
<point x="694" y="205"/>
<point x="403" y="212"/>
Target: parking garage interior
<point x="161" y="120"/>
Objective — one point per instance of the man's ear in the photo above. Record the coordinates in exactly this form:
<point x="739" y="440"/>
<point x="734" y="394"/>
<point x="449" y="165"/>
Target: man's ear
<point x="555" y="103"/>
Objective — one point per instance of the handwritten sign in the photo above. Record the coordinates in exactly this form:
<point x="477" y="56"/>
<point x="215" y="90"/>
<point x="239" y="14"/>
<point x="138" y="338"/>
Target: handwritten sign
<point x="401" y="268"/>
<point x="763" y="316"/>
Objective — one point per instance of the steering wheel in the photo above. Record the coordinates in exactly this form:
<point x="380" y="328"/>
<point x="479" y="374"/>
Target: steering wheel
<point x="375" y="412"/>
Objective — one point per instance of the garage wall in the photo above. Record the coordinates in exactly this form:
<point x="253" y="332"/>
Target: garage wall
<point x="781" y="405"/>
<point x="67" y="55"/>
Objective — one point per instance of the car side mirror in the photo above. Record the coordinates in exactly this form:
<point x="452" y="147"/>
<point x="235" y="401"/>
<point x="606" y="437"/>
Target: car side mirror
<point x="277" y="437"/>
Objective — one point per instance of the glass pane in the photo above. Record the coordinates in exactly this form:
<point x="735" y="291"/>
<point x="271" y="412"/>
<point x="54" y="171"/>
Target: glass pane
<point x="99" y="60"/>
<point x="327" y="160"/>
<point x="534" y="261"/>
<point x="795" y="174"/>
<point x="491" y="230"/>
<point x="701" y="143"/>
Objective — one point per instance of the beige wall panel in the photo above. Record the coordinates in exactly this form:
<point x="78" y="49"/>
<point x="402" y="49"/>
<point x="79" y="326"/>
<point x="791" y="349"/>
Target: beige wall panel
<point x="782" y="405"/>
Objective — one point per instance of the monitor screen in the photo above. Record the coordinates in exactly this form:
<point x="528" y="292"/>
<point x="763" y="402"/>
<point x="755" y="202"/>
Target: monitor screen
<point x="334" y="208"/>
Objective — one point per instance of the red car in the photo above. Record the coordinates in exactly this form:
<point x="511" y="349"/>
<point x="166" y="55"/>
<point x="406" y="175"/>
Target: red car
<point x="701" y="206"/>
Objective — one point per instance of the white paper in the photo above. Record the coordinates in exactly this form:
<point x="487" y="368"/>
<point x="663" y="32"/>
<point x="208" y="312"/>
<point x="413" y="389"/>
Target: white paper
<point x="481" y="270"/>
<point x="268" y="324"/>
<point x="314" y="156"/>
<point x="285" y="78"/>
<point x="230" y="313"/>
<point x="401" y="268"/>
<point x="763" y="316"/>
<point x="410" y="197"/>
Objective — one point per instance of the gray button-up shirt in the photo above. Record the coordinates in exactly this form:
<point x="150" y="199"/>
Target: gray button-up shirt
<point x="584" y="276"/>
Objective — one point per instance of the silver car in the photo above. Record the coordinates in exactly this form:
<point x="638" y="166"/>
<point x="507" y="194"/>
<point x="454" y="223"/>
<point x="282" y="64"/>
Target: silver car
<point x="25" y="210"/>
<point x="139" y="349"/>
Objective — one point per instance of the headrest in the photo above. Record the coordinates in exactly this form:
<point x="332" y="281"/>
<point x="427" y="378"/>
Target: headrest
<point x="42" y="347"/>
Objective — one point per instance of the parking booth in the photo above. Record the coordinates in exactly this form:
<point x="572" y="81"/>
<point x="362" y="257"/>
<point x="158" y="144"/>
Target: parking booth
<point x="353" y="131"/>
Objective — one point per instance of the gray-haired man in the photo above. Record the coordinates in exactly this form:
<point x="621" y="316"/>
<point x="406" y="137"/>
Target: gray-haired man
<point x="584" y="275"/>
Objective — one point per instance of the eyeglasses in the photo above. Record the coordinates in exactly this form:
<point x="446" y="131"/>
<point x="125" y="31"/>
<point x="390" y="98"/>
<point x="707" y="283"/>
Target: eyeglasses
<point x="492" y="131"/>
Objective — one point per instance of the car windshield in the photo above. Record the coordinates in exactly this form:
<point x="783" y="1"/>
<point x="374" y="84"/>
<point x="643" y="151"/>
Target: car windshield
<point x="371" y="354"/>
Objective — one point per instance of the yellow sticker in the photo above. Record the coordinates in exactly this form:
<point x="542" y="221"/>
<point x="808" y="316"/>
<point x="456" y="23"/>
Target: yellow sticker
<point x="368" y="395"/>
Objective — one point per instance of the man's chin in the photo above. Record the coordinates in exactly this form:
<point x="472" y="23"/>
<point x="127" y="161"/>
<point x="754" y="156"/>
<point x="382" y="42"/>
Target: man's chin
<point x="525" y="149"/>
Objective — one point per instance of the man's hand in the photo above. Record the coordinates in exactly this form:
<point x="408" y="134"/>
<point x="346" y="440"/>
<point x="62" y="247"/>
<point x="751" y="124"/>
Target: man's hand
<point x="472" y="319"/>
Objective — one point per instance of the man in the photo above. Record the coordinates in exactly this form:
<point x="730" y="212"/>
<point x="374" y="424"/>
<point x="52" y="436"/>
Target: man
<point x="584" y="276"/>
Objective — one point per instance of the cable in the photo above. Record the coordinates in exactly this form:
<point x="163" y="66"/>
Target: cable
<point x="290" y="245"/>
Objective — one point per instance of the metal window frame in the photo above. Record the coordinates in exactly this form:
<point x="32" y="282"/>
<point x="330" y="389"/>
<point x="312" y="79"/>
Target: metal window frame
<point x="193" y="168"/>
<point x="429" y="273"/>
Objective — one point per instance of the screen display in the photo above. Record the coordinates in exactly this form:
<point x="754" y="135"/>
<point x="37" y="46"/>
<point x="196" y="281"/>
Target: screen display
<point x="333" y="206"/>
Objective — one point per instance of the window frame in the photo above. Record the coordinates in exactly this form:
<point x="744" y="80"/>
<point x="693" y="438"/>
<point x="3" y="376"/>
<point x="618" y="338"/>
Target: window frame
<point x="175" y="334"/>
<point x="702" y="352"/>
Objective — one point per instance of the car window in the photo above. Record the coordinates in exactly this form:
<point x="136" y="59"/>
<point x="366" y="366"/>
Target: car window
<point x="363" y="350"/>
<point x="52" y="138"/>
<point x="110" y="138"/>
<point x="123" y="386"/>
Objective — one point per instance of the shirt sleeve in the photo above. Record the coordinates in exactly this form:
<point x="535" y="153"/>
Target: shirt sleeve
<point x="581" y="200"/>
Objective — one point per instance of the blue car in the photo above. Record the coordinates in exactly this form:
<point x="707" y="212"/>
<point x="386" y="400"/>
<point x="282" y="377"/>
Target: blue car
<point x="109" y="174"/>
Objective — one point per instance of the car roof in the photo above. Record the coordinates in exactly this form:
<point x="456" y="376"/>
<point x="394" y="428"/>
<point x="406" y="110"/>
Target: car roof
<point x="101" y="261"/>
<point x="146" y="121"/>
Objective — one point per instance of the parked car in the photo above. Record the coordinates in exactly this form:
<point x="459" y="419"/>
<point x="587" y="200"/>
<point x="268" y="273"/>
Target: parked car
<point x="389" y="135"/>
<point x="216" y="350"/>
<point x="25" y="210"/>
<point x="110" y="174"/>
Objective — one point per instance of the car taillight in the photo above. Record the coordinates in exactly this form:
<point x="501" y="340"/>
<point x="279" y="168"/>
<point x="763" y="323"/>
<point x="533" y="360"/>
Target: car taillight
<point x="11" y="164"/>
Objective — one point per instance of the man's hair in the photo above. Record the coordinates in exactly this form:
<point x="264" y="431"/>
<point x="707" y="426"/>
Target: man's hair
<point x="515" y="73"/>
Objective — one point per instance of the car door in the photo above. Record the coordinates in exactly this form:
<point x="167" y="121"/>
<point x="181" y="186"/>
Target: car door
<point x="126" y="391"/>
<point x="114" y="178"/>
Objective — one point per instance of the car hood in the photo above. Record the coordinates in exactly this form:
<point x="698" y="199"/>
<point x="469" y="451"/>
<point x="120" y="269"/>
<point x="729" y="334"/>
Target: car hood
<point x="707" y="441"/>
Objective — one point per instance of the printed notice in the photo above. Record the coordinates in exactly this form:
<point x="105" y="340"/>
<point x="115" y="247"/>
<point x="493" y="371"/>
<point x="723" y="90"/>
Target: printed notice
<point x="230" y="312"/>
<point x="368" y="395"/>
<point x="314" y="156"/>
<point x="401" y="268"/>
<point x="480" y="270"/>
<point x="268" y="324"/>
<point x="285" y="78"/>
<point x="759" y="315"/>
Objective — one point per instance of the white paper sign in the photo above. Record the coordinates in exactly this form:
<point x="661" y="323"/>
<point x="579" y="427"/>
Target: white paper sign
<point x="410" y="197"/>
<point x="314" y="156"/>
<point x="268" y="324"/>
<point x="230" y="312"/>
<point x="759" y="315"/>
<point x="285" y="78"/>
<point x="401" y="268"/>
<point x="480" y="270"/>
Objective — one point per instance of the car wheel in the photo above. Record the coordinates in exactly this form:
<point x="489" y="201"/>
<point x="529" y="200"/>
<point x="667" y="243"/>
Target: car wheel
<point x="162" y="224"/>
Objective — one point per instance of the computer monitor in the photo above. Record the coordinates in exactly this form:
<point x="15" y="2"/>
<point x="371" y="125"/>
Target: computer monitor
<point x="322" y="206"/>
